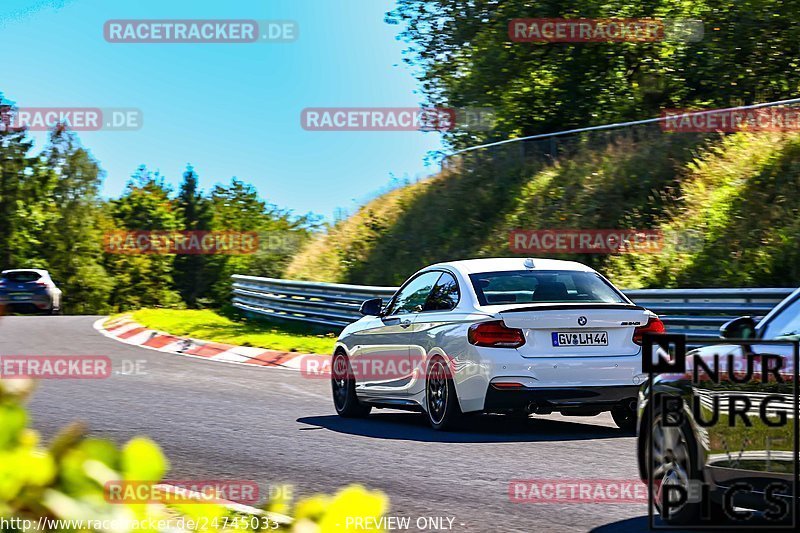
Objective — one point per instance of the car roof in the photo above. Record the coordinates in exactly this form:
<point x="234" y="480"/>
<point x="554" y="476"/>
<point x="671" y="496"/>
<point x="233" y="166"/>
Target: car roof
<point x="499" y="264"/>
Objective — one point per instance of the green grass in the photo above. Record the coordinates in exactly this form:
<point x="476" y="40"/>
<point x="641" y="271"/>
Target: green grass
<point x="209" y="325"/>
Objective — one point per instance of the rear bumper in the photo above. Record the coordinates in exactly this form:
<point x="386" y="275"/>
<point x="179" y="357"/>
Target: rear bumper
<point x="36" y="302"/>
<point x="557" y="398"/>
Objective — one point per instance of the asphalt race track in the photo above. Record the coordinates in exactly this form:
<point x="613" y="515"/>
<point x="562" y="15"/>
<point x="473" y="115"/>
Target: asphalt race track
<point x="272" y="426"/>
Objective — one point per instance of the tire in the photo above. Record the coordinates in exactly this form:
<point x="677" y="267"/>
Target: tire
<point x="343" y="386"/>
<point x="672" y="459"/>
<point x="441" y="403"/>
<point x="518" y="414"/>
<point x="624" y="418"/>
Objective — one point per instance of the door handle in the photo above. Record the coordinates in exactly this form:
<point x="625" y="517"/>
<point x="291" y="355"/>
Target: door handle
<point x="405" y="323"/>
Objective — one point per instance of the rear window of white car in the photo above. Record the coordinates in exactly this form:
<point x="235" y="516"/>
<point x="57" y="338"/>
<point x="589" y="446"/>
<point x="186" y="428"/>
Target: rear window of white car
<point x="22" y="276"/>
<point x="543" y="286"/>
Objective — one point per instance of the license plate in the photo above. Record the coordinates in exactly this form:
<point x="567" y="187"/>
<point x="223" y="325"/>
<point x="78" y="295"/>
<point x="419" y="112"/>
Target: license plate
<point x="583" y="338"/>
<point x="20" y="296"/>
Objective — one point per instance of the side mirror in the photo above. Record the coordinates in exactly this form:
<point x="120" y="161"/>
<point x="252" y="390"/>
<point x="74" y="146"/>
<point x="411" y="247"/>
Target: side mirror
<point x="371" y="307"/>
<point x="743" y="327"/>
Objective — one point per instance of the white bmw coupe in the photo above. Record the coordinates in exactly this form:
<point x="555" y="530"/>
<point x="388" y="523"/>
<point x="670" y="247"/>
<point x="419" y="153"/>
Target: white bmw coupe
<point x="516" y="336"/>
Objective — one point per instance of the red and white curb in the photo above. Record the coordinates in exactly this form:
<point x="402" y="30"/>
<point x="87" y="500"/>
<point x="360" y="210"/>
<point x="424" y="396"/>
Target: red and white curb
<point x="124" y="329"/>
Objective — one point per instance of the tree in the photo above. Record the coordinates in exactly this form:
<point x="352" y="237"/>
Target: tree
<point x="192" y="276"/>
<point x="238" y="207"/>
<point x="464" y="57"/>
<point x="72" y="243"/>
<point x="24" y="187"/>
<point x="143" y="279"/>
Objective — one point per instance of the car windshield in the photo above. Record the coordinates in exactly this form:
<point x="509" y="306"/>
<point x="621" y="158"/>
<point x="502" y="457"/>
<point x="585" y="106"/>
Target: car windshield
<point x="529" y="286"/>
<point x="784" y="325"/>
<point x="22" y="276"/>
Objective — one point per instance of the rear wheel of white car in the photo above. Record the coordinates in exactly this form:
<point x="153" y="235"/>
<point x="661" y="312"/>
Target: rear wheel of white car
<point x="441" y="403"/>
<point x="343" y="384"/>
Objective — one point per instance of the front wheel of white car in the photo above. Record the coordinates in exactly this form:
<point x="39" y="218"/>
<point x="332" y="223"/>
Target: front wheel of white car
<point x="343" y="384"/>
<point x="441" y="403"/>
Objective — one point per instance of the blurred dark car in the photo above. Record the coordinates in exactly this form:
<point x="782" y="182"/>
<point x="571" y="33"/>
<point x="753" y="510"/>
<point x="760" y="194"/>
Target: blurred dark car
<point x="727" y="439"/>
<point x="29" y="290"/>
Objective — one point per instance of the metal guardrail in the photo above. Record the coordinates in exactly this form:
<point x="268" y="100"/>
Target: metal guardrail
<point x="628" y="124"/>
<point x="547" y="148"/>
<point x="325" y="304"/>
<point x="696" y="312"/>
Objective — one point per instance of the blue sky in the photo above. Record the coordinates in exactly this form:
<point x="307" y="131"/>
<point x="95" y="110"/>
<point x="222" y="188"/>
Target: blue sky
<point x="228" y="109"/>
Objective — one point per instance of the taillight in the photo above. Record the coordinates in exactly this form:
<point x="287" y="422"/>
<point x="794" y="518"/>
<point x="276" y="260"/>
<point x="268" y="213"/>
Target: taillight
<point x="495" y="334"/>
<point x="508" y="385"/>
<point x="654" y="326"/>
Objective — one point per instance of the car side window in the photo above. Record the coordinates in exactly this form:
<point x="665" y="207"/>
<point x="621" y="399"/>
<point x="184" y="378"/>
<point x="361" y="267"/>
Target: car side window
<point x="412" y="297"/>
<point x="444" y="295"/>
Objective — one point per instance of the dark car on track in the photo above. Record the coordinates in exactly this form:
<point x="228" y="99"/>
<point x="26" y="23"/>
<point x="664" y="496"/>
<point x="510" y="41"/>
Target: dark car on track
<point x="723" y="429"/>
<point x="29" y="290"/>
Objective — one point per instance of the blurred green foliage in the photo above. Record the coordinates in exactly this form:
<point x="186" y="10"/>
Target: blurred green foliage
<point x="65" y="481"/>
